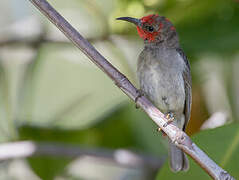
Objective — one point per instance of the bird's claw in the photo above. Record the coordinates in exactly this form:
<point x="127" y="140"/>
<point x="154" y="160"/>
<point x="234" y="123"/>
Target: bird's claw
<point x="170" y="117"/>
<point x="159" y="129"/>
<point x="139" y="94"/>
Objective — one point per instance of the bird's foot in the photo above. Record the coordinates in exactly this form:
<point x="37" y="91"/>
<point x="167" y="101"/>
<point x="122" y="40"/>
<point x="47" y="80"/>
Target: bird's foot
<point x="170" y="117"/>
<point x="139" y="94"/>
<point x="160" y="130"/>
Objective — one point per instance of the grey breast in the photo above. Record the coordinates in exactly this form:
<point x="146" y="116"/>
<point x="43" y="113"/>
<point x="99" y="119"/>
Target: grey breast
<point x="160" y="77"/>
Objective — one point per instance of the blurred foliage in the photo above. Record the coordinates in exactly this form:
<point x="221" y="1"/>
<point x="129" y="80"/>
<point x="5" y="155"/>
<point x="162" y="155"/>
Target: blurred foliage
<point x="50" y="91"/>
<point x="49" y="167"/>
<point x="221" y="144"/>
<point x="126" y="135"/>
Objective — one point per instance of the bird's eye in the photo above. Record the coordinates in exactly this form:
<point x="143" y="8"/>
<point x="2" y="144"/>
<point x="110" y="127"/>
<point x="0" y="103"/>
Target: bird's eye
<point x="150" y="28"/>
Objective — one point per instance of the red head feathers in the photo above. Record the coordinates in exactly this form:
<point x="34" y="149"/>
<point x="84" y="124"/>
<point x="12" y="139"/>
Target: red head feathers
<point x="148" y="22"/>
<point x="152" y="27"/>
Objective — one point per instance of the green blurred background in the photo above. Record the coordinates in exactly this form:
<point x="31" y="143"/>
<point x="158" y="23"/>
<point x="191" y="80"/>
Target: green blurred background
<point x="52" y="95"/>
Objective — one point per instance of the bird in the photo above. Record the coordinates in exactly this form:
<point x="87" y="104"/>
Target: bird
<point x="164" y="75"/>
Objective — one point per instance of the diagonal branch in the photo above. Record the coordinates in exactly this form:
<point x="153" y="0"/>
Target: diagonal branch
<point x="178" y="137"/>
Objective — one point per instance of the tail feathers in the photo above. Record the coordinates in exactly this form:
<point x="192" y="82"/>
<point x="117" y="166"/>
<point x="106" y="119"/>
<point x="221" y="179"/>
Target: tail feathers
<point x="178" y="160"/>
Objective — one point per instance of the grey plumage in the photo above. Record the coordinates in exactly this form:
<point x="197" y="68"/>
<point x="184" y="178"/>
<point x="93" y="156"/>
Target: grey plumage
<point x="188" y="87"/>
<point x="164" y="76"/>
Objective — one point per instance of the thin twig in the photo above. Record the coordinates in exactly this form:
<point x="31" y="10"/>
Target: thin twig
<point x="121" y="157"/>
<point x="175" y="134"/>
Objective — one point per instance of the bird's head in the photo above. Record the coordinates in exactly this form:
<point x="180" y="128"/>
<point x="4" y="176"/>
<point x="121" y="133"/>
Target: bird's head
<point x="153" y="28"/>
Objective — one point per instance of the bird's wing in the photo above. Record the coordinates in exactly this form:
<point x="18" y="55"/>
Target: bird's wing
<point x="188" y="88"/>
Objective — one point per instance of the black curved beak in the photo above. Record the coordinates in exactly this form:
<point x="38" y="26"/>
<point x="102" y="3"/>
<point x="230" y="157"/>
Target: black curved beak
<point x="135" y="21"/>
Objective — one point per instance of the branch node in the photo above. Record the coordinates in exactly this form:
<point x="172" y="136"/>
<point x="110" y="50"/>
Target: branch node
<point x="139" y="94"/>
<point x="182" y="139"/>
<point x="225" y="176"/>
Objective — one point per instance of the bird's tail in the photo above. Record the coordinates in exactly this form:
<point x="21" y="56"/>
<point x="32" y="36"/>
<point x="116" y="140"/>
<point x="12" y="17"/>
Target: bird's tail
<point x="178" y="160"/>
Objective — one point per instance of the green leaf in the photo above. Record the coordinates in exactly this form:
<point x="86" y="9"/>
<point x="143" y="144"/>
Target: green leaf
<point x="68" y="91"/>
<point x="48" y="167"/>
<point x="220" y="144"/>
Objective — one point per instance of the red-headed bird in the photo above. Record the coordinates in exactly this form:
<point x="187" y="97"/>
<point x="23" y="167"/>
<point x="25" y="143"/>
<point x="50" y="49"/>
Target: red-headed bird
<point x="164" y="76"/>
